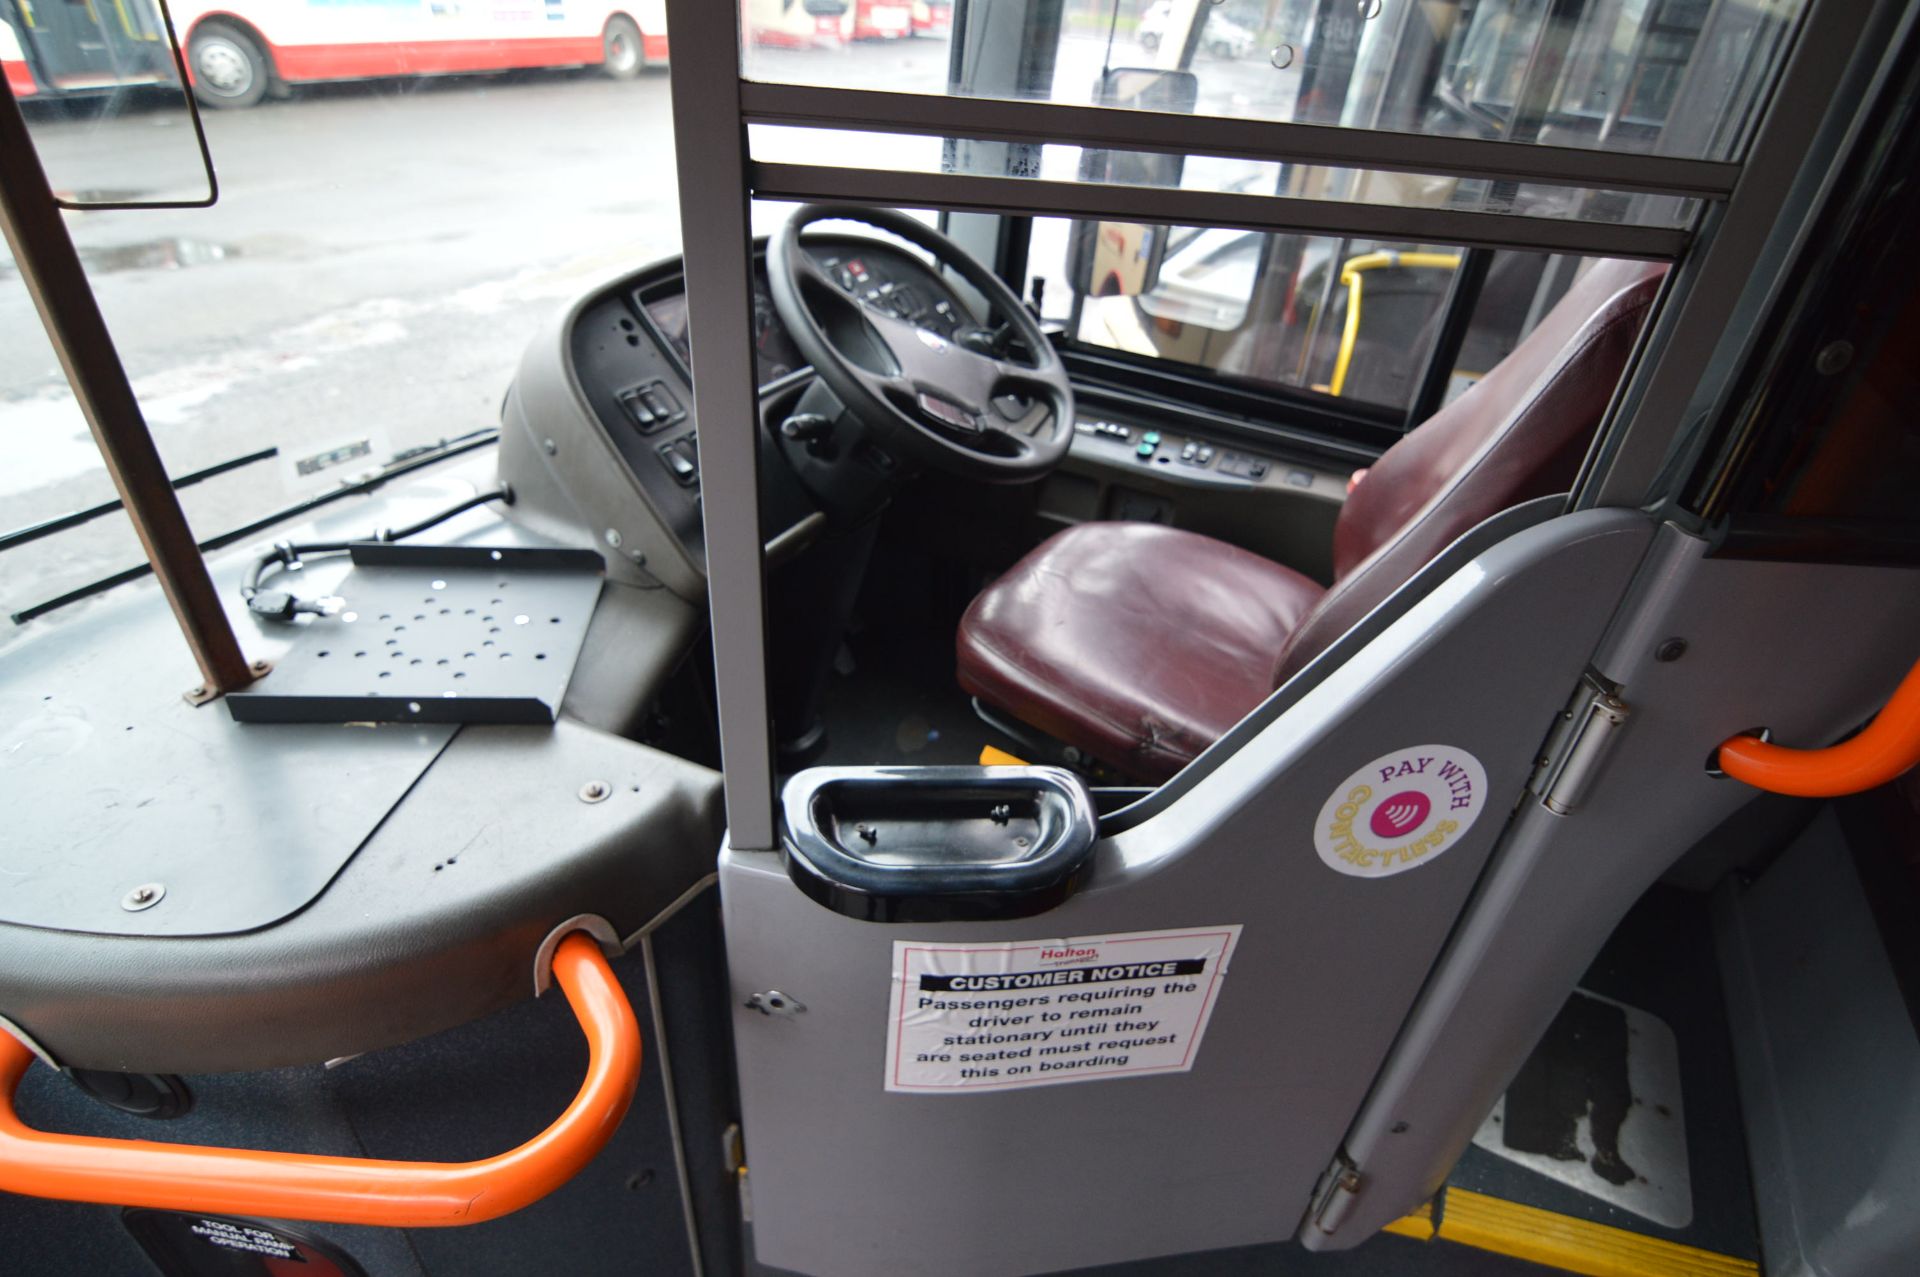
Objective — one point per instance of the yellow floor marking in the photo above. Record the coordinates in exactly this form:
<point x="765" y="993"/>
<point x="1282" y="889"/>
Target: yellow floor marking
<point x="1575" y="1245"/>
<point x="991" y="757"/>
<point x="1416" y="1224"/>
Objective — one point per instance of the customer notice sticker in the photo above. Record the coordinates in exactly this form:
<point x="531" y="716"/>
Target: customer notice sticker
<point x="992" y="1017"/>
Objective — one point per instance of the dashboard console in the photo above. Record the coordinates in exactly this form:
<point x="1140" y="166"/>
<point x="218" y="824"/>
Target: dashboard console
<point x="599" y="429"/>
<point x="599" y="425"/>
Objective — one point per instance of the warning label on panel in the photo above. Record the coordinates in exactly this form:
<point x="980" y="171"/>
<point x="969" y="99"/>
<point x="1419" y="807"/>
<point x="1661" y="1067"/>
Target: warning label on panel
<point x="246" y="1237"/>
<point x="985" y="1017"/>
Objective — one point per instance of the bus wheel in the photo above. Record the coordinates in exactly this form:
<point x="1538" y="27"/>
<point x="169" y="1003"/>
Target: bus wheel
<point x="621" y="49"/>
<point x="229" y="70"/>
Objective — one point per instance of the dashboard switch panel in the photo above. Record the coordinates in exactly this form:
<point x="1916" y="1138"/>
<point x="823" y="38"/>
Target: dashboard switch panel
<point x="650" y="406"/>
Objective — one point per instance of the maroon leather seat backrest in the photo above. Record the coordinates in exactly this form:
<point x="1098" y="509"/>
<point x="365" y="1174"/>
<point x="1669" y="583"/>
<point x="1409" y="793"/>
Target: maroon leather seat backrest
<point x="1519" y="433"/>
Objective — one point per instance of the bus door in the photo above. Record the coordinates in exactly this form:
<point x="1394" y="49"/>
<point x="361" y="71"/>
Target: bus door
<point x="76" y="45"/>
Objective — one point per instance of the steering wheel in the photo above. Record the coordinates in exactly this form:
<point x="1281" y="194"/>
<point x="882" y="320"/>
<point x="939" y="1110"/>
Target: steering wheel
<point x="954" y="405"/>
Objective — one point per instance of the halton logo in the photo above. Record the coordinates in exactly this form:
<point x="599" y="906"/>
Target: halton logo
<point x="1400" y="811"/>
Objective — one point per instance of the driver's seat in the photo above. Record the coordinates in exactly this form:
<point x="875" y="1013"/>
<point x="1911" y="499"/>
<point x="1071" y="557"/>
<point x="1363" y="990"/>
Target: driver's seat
<point x="1141" y="644"/>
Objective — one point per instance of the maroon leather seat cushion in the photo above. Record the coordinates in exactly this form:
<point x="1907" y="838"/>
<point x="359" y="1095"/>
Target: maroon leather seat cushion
<point x="1136" y="642"/>
<point x="1142" y="644"/>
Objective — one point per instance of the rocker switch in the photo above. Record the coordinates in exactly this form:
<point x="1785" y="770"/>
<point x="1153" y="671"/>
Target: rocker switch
<point x="678" y="458"/>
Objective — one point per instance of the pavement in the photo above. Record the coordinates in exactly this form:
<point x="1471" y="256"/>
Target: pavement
<point x="380" y="256"/>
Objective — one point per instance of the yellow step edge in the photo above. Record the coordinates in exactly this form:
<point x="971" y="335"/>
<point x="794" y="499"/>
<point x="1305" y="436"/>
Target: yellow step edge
<point x="1417" y="1224"/>
<point x="991" y="757"/>
<point x="1575" y="1245"/>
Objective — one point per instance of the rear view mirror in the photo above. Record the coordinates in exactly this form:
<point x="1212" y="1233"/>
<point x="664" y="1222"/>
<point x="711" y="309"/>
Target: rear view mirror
<point x="103" y="90"/>
<point x="1122" y="259"/>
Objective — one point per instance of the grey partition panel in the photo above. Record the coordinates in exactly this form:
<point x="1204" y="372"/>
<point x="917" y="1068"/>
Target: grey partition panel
<point x="432" y="923"/>
<point x="1809" y="650"/>
<point x="853" y="1179"/>
<point x="1835" y="1178"/>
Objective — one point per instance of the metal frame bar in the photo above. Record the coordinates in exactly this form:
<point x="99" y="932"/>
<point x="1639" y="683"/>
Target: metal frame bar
<point x="1002" y="120"/>
<point x="48" y="262"/>
<point x="966" y="192"/>
<point x="710" y="149"/>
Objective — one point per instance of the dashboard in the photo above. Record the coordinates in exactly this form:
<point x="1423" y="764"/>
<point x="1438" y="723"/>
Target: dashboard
<point x="619" y="373"/>
<point x="627" y="355"/>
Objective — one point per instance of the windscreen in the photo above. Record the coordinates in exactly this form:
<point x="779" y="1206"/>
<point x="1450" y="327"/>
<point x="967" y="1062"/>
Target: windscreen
<point x="398" y="227"/>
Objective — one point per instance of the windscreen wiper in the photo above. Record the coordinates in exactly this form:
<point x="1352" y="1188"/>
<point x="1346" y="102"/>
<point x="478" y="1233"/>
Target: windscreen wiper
<point x="403" y="463"/>
<point x="60" y="523"/>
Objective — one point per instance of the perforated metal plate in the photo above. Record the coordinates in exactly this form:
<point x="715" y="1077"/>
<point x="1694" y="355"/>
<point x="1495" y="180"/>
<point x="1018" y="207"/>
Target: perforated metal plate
<point x="437" y="634"/>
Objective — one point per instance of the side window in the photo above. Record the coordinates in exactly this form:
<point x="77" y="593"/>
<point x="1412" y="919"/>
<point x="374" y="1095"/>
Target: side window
<point x="1353" y="319"/>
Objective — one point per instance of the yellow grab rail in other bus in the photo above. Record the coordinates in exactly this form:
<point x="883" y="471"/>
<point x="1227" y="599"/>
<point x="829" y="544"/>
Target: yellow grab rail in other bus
<point x="1350" y="273"/>
<point x="1887" y="747"/>
<point x="345" y="1190"/>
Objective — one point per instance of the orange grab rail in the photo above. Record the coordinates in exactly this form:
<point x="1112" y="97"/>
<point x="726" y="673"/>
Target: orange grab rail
<point x="345" y="1190"/>
<point x="1889" y="746"/>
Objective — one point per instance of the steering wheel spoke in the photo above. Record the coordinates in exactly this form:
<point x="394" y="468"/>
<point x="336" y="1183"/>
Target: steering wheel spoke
<point x="1037" y="413"/>
<point x="1000" y="441"/>
<point x="893" y="387"/>
<point x="804" y="264"/>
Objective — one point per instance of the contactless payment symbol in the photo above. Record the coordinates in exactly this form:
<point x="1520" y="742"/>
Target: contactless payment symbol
<point x="1400" y="811"/>
<point x="1399" y="814"/>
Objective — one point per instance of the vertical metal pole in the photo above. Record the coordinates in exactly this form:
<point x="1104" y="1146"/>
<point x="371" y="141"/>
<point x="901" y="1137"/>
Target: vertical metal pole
<point x="48" y="263"/>
<point x="710" y="150"/>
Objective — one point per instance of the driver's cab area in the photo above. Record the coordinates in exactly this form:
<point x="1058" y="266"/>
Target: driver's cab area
<point x="1111" y="577"/>
<point x="1185" y="638"/>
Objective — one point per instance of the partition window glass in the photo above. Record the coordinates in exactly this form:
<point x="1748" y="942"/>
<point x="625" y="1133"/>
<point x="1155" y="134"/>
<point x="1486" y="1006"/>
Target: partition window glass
<point x="1670" y="77"/>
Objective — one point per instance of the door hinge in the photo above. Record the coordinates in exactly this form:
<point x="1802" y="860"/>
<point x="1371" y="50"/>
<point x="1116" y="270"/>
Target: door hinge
<point x="1582" y="735"/>
<point x="1334" y="1196"/>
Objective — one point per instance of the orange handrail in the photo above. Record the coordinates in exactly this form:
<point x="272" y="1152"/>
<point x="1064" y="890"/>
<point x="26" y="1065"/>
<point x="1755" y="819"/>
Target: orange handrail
<point x="1888" y="747"/>
<point x="345" y="1190"/>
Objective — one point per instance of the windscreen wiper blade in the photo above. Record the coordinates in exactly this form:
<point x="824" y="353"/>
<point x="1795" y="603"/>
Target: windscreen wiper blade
<point x="60" y="523"/>
<point x="411" y="460"/>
